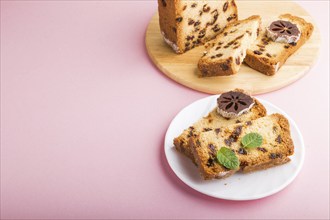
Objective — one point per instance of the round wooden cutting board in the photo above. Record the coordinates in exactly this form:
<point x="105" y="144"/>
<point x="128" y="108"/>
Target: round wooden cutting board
<point x="182" y="68"/>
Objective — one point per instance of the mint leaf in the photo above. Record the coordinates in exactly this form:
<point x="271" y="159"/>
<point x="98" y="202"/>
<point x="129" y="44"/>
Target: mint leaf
<point x="252" y="140"/>
<point x="228" y="158"/>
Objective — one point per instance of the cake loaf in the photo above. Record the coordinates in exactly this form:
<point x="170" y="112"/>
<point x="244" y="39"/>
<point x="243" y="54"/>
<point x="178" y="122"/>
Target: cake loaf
<point x="186" y="24"/>
<point x="228" y="50"/>
<point x="274" y="150"/>
<point x="270" y="51"/>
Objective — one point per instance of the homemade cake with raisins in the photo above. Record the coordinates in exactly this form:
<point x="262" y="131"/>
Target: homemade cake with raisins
<point x="277" y="42"/>
<point x="217" y="119"/>
<point x="186" y="24"/>
<point x="228" y="50"/>
<point x="275" y="146"/>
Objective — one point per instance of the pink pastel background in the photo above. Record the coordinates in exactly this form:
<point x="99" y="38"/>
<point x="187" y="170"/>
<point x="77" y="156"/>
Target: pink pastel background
<point x="84" y="113"/>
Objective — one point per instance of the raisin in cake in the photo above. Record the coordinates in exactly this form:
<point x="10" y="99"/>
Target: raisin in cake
<point x="267" y="55"/>
<point x="276" y="146"/>
<point x="186" y="24"/>
<point x="228" y="50"/>
<point x="215" y="121"/>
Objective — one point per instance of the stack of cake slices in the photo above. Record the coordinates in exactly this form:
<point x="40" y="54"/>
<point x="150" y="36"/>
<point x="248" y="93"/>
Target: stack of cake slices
<point x="236" y="136"/>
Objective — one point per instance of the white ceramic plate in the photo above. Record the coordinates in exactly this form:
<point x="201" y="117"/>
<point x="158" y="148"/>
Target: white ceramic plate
<point x="238" y="186"/>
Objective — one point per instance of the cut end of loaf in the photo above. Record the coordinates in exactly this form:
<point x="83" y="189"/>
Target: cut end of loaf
<point x="188" y="24"/>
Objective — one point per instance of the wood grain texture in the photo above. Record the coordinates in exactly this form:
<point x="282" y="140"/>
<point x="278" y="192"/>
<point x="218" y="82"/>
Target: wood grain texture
<point x="183" y="68"/>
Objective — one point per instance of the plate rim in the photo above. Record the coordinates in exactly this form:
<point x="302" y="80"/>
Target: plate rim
<point x="293" y="125"/>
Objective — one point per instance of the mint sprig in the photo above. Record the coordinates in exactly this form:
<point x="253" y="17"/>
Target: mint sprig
<point x="252" y="140"/>
<point x="228" y="158"/>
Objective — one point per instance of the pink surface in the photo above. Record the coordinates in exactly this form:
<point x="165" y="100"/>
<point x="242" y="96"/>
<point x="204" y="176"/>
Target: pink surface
<point x="84" y="113"/>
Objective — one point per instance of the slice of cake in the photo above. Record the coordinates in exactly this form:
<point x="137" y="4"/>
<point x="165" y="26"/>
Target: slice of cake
<point x="218" y="118"/>
<point x="275" y="145"/>
<point x="277" y="42"/>
<point x="186" y="24"/>
<point x="228" y="50"/>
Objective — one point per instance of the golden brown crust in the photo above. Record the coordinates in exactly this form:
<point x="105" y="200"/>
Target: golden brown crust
<point x="181" y="144"/>
<point x="215" y="68"/>
<point x="285" y="133"/>
<point x="270" y="65"/>
<point x="266" y="165"/>
<point x="167" y="13"/>
<point x="258" y="109"/>
<point x="257" y="63"/>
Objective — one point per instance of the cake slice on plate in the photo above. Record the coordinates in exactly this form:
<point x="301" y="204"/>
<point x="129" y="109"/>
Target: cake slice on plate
<point x="227" y="52"/>
<point x="249" y="146"/>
